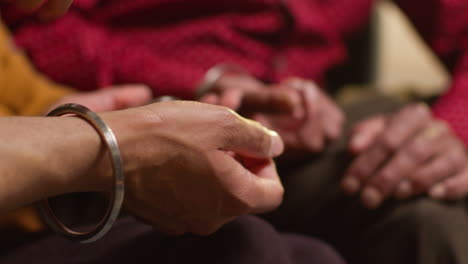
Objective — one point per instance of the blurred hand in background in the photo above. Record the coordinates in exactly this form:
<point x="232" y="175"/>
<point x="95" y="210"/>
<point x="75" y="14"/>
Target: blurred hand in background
<point x="305" y="117"/>
<point x="406" y="154"/>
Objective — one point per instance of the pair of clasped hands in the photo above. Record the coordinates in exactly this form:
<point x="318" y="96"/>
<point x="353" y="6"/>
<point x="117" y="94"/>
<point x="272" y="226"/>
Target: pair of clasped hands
<point x="192" y="167"/>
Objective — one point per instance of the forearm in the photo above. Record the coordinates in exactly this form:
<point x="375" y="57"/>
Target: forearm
<point x="43" y="157"/>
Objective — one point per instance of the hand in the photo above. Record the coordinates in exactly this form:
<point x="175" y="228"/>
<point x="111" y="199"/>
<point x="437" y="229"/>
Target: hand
<point x="406" y="154"/>
<point x="244" y="93"/>
<point x="192" y="167"/>
<point x="47" y="9"/>
<point x="110" y="99"/>
<point x="315" y="120"/>
<point x="301" y="113"/>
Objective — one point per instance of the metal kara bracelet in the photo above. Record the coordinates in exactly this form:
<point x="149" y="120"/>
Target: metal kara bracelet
<point x="117" y="193"/>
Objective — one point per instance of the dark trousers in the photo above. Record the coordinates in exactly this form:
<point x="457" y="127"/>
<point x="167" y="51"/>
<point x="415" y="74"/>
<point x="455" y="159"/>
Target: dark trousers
<point x="248" y="240"/>
<point x="414" y="231"/>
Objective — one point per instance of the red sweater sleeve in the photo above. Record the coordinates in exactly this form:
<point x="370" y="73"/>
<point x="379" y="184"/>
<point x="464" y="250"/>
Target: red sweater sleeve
<point x="444" y="25"/>
<point x="453" y="106"/>
<point x="82" y="54"/>
<point x="347" y="16"/>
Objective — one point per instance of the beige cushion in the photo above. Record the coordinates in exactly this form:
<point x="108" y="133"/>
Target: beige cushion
<point x="405" y="64"/>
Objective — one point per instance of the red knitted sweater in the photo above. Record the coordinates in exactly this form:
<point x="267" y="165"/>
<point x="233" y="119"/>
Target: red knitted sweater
<point x="169" y="44"/>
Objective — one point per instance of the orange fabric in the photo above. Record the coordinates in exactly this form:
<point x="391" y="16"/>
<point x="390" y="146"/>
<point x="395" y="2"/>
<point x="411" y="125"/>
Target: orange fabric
<point x="23" y="91"/>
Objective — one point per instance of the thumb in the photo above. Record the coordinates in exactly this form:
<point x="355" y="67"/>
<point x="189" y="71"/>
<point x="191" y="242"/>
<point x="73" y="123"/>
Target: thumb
<point x="250" y="139"/>
<point x="365" y="133"/>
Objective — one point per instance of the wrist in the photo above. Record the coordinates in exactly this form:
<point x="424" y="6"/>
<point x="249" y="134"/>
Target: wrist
<point x="136" y="130"/>
<point x="79" y="159"/>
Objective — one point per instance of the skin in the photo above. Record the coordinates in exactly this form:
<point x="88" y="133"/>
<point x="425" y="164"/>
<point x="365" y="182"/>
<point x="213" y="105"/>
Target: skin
<point x="406" y="154"/>
<point x="402" y="155"/>
<point x="183" y="170"/>
<point x="305" y="117"/>
<point x="110" y="99"/>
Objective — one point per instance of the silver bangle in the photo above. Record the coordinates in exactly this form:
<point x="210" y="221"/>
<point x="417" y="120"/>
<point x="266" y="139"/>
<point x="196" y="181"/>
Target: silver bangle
<point x="213" y="75"/>
<point x="117" y="193"/>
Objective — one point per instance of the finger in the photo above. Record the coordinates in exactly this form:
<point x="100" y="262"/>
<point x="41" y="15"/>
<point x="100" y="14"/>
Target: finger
<point x="251" y="139"/>
<point x="404" y="125"/>
<point x="332" y="119"/>
<point x="365" y="134"/>
<point x="452" y="188"/>
<point x="261" y="191"/>
<point x="361" y="168"/>
<point x="447" y="164"/>
<point x="268" y="190"/>
<point x="231" y="98"/>
<point x="210" y="98"/>
<point x="401" y="127"/>
<point x="119" y="97"/>
<point x="53" y="8"/>
<point x="272" y="101"/>
<point x="420" y="149"/>
<point x="311" y="132"/>
<point x="404" y="190"/>
<point x="131" y="95"/>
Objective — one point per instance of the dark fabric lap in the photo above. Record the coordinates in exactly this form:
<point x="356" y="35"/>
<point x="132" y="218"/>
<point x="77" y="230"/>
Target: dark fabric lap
<point x="246" y="240"/>
<point x="418" y="230"/>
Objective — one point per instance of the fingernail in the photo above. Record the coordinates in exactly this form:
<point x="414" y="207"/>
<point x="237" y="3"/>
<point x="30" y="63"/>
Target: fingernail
<point x="371" y="197"/>
<point x="404" y="190"/>
<point x="277" y="145"/>
<point x="438" y="192"/>
<point x="350" y="185"/>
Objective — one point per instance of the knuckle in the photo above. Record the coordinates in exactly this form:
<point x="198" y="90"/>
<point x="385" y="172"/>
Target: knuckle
<point x="390" y="142"/>
<point x="418" y="152"/>
<point x="227" y="117"/>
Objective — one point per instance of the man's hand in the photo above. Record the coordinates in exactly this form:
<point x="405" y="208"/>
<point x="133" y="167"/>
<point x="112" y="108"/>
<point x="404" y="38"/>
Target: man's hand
<point x="111" y="99"/>
<point x="301" y="113"/>
<point x="189" y="167"/>
<point x="406" y="154"/>
<point x="192" y="167"/>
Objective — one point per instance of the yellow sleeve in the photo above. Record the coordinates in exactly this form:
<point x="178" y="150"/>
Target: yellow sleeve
<point x="23" y="91"/>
